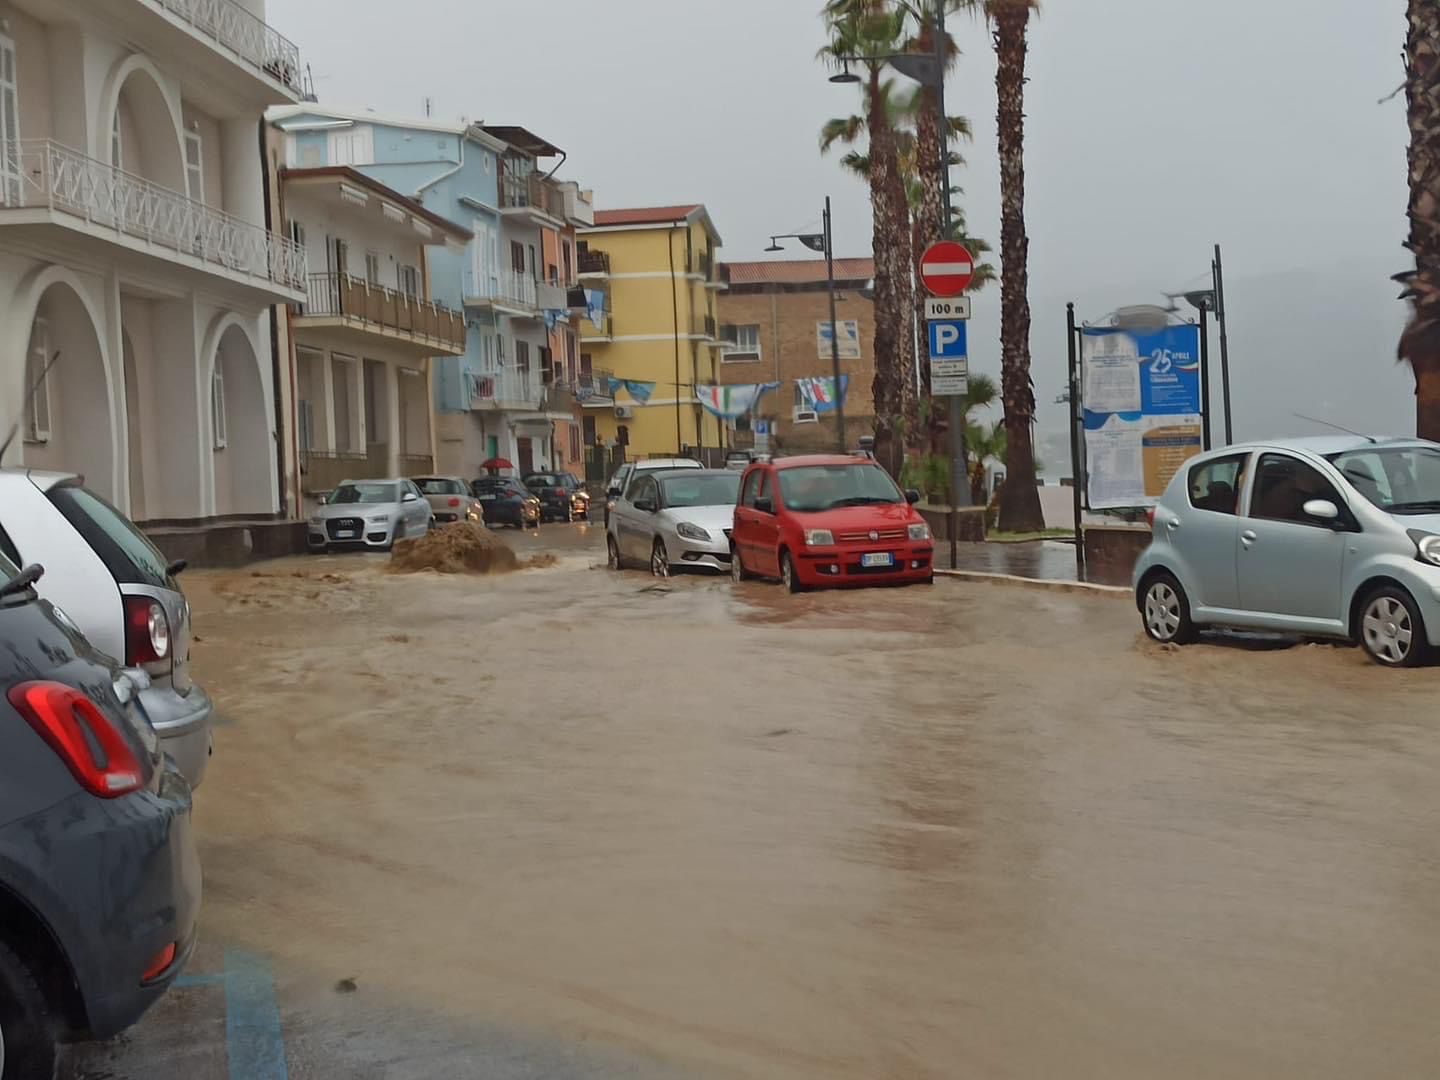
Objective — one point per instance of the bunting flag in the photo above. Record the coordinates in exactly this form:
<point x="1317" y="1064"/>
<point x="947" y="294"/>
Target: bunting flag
<point x="729" y="402"/>
<point x="818" y="394"/>
<point x="640" y="391"/>
<point x="552" y="317"/>
<point x="595" y="307"/>
<point x="613" y="384"/>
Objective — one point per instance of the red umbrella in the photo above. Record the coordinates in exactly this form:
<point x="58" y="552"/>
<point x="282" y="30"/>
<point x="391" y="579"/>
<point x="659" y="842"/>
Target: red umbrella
<point x="495" y="464"/>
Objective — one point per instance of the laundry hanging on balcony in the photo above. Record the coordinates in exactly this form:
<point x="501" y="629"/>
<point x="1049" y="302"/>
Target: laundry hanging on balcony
<point x="638" y="390"/>
<point x="818" y="394"/>
<point x="553" y="316"/>
<point x="730" y="402"/>
<point x="595" y="307"/>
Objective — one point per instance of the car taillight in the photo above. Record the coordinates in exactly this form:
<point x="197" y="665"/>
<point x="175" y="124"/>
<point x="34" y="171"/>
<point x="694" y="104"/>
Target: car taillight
<point x="90" y="745"/>
<point x="1150" y="516"/>
<point x="454" y="502"/>
<point x="147" y="631"/>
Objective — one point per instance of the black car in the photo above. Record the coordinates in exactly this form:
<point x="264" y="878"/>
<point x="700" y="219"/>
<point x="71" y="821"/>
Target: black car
<point x="505" y="501"/>
<point x="99" y="878"/>
<point x="561" y="496"/>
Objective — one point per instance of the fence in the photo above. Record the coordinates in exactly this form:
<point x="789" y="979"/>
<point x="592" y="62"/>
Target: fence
<point x="353" y="297"/>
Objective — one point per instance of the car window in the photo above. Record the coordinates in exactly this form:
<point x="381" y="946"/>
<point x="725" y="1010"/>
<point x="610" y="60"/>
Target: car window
<point x="1215" y="485"/>
<point x="644" y="488"/>
<point x="752" y="487"/>
<point x="540" y="480"/>
<point x="126" y="553"/>
<point x="1283" y="485"/>
<point x="810" y="488"/>
<point x="438" y="486"/>
<point x="701" y="490"/>
<point x="351" y="494"/>
<point x="1399" y="479"/>
<point x="8" y="549"/>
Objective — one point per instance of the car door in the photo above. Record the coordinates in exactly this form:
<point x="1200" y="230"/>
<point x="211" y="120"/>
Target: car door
<point x="620" y="511"/>
<point x="639" y="523"/>
<point x="1206" y="533"/>
<point x="765" y="528"/>
<point x="1290" y="564"/>
<point x="418" y="512"/>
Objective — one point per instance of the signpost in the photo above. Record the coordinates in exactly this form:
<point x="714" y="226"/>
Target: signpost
<point x="946" y="271"/>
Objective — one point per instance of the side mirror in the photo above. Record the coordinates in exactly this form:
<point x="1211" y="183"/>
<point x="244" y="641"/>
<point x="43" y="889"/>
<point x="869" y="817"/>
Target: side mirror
<point x="323" y="500"/>
<point x="613" y="491"/>
<point x="1321" y="510"/>
<point x="765" y="504"/>
<point x="409" y="496"/>
<point x="912" y="496"/>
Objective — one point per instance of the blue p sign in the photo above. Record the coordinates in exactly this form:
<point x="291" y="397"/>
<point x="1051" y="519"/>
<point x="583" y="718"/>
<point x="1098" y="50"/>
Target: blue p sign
<point x="948" y="340"/>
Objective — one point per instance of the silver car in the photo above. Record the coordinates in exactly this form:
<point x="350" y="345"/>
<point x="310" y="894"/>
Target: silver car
<point x="450" y="498"/>
<point x="622" y="476"/>
<point x="674" y="519"/>
<point x="1334" y="537"/>
<point x="369" y="514"/>
<point x="106" y="578"/>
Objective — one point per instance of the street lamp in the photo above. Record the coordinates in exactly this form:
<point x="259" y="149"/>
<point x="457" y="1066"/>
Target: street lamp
<point x="824" y="242"/>
<point x="845" y="75"/>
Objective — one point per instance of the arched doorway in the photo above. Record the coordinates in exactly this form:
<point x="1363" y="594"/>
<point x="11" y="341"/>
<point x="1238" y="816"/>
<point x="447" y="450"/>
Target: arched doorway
<point x="240" y="430"/>
<point x="68" y="421"/>
<point x="143" y="133"/>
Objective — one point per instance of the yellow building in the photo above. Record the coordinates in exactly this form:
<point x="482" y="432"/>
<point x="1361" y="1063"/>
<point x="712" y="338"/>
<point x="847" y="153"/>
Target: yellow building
<point x="657" y="271"/>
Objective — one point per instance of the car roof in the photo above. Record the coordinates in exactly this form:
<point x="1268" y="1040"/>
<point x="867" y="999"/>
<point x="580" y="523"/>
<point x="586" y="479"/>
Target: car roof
<point x="802" y="460"/>
<point x="1323" y="445"/>
<point x="690" y="473"/>
<point x="667" y="463"/>
<point x="377" y="480"/>
<point x="437" y="476"/>
<point x="44" y="479"/>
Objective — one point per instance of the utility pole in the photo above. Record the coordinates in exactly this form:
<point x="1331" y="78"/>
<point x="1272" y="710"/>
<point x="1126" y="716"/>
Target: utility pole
<point x="1219" y="275"/>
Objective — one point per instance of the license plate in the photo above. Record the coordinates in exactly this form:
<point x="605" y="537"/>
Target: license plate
<point x="486" y="498"/>
<point x="344" y="534"/>
<point x="878" y="558"/>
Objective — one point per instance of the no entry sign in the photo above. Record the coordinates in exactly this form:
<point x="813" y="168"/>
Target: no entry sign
<point x="946" y="268"/>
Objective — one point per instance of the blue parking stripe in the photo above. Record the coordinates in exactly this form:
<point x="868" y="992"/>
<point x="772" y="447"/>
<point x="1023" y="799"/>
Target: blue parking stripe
<point x="254" y="1043"/>
<point x="185" y="981"/>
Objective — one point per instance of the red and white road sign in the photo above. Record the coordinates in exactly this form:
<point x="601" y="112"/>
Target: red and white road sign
<point x="946" y="268"/>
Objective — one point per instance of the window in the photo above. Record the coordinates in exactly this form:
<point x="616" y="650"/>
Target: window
<point x="372" y="267"/>
<point x="752" y="488"/>
<point x="553" y="273"/>
<point x="339" y="256"/>
<point x="703" y="490"/>
<point x="587" y="430"/>
<point x="622" y="435"/>
<point x="567" y="263"/>
<point x="217" y="406"/>
<point x="37" y="384"/>
<point x="575" y="441"/>
<point x="409" y="281"/>
<point x="9" y="557"/>
<point x="352" y="146"/>
<point x="644" y="488"/>
<point x="522" y="357"/>
<point x="1215" y="485"/>
<point x="533" y="263"/>
<point x="441" y="486"/>
<point x="10" y="174"/>
<point x="1283" y="485"/>
<point x="517" y="256"/>
<point x="117" y="146"/>
<point x="812" y="488"/>
<point x="363" y="493"/>
<point x="1399" y="480"/>
<point x="742" y="343"/>
<point x="126" y="553"/>
<point x="194" y="167"/>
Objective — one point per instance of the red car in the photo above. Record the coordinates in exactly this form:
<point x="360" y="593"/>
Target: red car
<point x="828" y="520"/>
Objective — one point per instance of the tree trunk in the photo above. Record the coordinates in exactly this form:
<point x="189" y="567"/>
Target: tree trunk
<point x="1019" y="498"/>
<point x="1420" y="343"/>
<point x="929" y="226"/>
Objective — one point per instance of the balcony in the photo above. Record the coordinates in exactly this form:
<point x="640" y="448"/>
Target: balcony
<point x="232" y="28"/>
<point x="594" y="263"/>
<point x="710" y="330"/>
<point x="601" y="334"/>
<point x="325" y="470"/>
<point x="529" y="193"/>
<point x="579" y="205"/>
<point x="66" y="200"/>
<point x="511" y="292"/>
<point x="593" y="388"/>
<point x="365" y="313"/>
<point x="514" y="391"/>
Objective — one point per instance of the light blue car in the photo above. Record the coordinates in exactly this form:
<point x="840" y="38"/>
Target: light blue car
<point x="1334" y="537"/>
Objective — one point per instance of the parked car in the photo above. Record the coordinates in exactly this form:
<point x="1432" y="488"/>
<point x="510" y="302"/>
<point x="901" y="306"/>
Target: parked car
<point x="674" y="519"/>
<point x="119" y="590"/>
<point x="369" y="514"/>
<point x="828" y="520"/>
<point x="1335" y="537"/>
<point x="625" y="473"/>
<point x="99" y="877"/>
<point x="739" y="460"/>
<point x="561" y="496"/>
<point x="450" y="498"/>
<point x="504" y="500"/>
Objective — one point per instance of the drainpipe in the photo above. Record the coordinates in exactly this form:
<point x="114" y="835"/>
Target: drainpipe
<point x="558" y="164"/>
<point x="675" y="334"/>
<point x="282" y="488"/>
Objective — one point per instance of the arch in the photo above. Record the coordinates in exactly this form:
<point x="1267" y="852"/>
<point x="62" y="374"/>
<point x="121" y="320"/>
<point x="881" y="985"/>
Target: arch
<point x="242" y="472"/>
<point x="159" y="121"/>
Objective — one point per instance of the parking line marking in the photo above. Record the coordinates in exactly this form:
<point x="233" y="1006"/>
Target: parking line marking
<point x="198" y="980"/>
<point x="255" y="1046"/>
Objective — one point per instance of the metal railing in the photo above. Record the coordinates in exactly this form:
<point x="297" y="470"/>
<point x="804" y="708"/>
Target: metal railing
<point x="324" y="470"/>
<point x="251" y="38"/>
<point x="59" y="178"/>
<point x="504" y="286"/>
<point x="594" y="262"/>
<point x="356" y="298"/>
<point x="711" y="334"/>
<point x="593" y="386"/>
<point x="502" y="389"/>
<point x="604" y="332"/>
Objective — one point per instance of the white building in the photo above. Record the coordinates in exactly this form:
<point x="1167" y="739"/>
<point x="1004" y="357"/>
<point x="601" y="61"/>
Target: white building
<point x="134" y="249"/>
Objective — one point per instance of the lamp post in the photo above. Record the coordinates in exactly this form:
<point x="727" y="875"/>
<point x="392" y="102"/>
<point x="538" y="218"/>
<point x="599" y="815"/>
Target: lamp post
<point x="824" y="242"/>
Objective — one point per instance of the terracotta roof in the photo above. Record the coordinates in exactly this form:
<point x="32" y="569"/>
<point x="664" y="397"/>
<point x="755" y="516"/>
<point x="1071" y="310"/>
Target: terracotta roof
<point x="645" y="215"/>
<point x="795" y="271"/>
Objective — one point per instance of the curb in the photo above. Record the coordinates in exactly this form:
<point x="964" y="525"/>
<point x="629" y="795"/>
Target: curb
<point x="1085" y="588"/>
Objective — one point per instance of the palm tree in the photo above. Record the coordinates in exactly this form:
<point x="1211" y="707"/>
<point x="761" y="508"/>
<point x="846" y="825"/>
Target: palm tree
<point x="1019" y="499"/>
<point x="1420" y="344"/>
<point x="872" y="28"/>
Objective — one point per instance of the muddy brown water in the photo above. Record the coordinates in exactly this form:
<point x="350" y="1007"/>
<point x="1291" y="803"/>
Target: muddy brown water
<point x="960" y="831"/>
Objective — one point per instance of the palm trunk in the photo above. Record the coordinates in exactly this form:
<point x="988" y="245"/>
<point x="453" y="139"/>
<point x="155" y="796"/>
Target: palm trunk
<point x="1019" y="498"/>
<point x="1420" y="344"/>
<point x="929" y="226"/>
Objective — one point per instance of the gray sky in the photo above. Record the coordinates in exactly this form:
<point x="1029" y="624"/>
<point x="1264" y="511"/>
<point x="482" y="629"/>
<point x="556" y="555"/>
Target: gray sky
<point x="1155" y="129"/>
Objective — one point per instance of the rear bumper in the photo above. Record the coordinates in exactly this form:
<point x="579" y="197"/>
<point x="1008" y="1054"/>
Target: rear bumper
<point x="817" y="567"/>
<point x="184" y="724"/>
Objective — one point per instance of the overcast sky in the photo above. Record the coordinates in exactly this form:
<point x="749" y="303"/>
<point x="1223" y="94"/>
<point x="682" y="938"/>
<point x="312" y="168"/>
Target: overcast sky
<point x="1155" y="129"/>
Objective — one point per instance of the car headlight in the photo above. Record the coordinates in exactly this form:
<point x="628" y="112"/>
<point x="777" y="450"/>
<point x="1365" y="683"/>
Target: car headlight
<point x="1427" y="546"/>
<point x="317" y="520"/>
<point x="378" y="519"/>
<point x="819" y="538"/>
<point x="920" y="532"/>
<point x="691" y="532"/>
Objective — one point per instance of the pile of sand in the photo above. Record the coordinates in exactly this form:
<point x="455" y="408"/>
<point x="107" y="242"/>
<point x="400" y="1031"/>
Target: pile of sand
<point x="460" y="548"/>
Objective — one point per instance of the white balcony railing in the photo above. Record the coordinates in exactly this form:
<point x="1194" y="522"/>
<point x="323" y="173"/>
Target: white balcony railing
<point x="58" y="178"/>
<point x="511" y="287"/>
<point x="229" y="24"/>
<point x="505" y="389"/>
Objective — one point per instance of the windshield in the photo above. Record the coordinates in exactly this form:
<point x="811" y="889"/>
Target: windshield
<point x="349" y="494"/>
<point x="1398" y="480"/>
<point x="702" y="490"/>
<point x="809" y="488"/>
<point x="541" y="480"/>
<point x="437" y="486"/>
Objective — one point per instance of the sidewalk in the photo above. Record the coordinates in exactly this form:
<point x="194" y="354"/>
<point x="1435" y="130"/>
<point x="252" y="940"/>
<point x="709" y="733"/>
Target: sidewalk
<point x="1042" y="560"/>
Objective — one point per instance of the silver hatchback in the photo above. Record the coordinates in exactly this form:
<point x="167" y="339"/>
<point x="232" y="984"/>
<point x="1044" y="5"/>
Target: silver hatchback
<point x="1334" y="537"/>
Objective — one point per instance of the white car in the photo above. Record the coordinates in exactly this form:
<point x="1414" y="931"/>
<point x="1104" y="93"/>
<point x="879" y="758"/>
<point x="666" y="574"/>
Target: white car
<point x="674" y="519"/>
<point x="109" y="580"/>
<point x="627" y="472"/>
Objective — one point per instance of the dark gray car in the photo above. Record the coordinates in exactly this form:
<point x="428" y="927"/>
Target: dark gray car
<point x="99" y="879"/>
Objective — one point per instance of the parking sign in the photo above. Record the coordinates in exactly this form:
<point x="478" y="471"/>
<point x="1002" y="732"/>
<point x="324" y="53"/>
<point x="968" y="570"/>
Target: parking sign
<point x="948" y="340"/>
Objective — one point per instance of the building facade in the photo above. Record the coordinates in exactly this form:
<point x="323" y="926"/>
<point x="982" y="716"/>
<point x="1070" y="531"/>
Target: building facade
<point x="656" y="328"/>
<point x="775" y="321"/>
<point x="136" y="259"/>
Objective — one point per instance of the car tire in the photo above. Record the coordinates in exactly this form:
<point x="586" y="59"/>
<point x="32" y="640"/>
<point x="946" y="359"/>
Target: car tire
<point x="788" y="577"/>
<point x="612" y="550"/>
<point x="27" y="1029"/>
<point x="1391" y="630"/>
<point x="659" y="559"/>
<point x="1165" y="611"/>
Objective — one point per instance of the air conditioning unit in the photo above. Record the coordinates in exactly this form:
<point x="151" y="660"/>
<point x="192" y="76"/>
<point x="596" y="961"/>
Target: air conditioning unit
<point x="806" y="416"/>
<point x="624" y="412"/>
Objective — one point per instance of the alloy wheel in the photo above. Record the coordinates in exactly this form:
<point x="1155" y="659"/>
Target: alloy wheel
<point x="1162" y="611"/>
<point x="737" y="572"/>
<point x="787" y="573"/>
<point x="1389" y="634"/>
<point x="659" y="560"/>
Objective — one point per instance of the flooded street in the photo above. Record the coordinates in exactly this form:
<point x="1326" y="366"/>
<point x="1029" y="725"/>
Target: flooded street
<point x="590" y="824"/>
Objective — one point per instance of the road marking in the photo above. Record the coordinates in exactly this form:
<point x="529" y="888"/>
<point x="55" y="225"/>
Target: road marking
<point x="186" y="981"/>
<point x="254" y="1043"/>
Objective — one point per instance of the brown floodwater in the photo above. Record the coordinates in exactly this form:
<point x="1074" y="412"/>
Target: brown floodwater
<point x="960" y="831"/>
